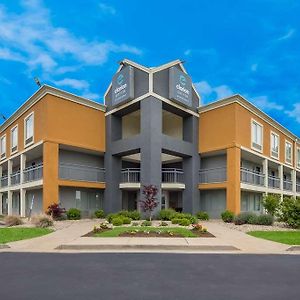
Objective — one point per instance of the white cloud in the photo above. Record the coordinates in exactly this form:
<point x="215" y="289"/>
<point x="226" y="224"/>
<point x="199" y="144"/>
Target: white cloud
<point x="295" y="112"/>
<point x="223" y="91"/>
<point x="73" y="83"/>
<point x="264" y="103"/>
<point x="205" y="89"/>
<point x="107" y="9"/>
<point x="91" y="96"/>
<point x="288" y="35"/>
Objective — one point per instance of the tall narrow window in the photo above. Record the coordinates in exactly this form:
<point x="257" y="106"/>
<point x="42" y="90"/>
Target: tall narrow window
<point x="29" y="123"/>
<point x="274" y="145"/>
<point x="3" y="147"/>
<point x="14" y="139"/>
<point x="257" y="136"/>
<point x="298" y="158"/>
<point x="288" y="152"/>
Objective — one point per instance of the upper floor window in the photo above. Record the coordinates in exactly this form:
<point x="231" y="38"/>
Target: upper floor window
<point x="257" y="136"/>
<point x="274" y="145"/>
<point x="298" y="158"/>
<point x="14" y="139"/>
<point x="288" y="152"/>
<point x="28" y="128"/>
<point x="3" y="147"/>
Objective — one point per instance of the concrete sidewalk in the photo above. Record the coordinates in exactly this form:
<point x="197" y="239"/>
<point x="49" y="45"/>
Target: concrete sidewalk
<point x="68" y="237"/>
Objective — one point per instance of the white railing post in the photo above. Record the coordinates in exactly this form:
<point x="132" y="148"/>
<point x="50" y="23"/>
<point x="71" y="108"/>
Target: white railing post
<point x="280" y="175"/>
<point x="9" y="171"/>
<point x="266" y="172"/>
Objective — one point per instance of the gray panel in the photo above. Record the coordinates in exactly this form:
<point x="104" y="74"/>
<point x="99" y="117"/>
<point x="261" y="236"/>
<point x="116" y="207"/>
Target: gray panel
<point x="213" y="202"/>
<point x="37" y="202"/>
<point x="213" y="162"/>
<point x="79" y="158"/>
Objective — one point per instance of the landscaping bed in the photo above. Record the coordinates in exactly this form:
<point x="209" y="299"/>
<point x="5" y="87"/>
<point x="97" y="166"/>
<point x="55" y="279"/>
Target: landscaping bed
<point x="140" y="231"/>
<point x="284" y="237"/>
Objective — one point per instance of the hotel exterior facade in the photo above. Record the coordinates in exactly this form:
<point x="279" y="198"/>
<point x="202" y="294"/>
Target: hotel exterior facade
<point x="61" y="148"/>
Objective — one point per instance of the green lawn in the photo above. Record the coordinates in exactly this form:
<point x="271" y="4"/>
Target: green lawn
<point x="284" y="237"/>
<point x="16" y="234"/>
<point x="118" y="230"/>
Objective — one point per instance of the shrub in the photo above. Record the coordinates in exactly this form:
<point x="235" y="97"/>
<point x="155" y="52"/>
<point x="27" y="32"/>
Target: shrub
<point x="134" y="215"/>
<point x="202" y="215"/>
<point x="117" y="221"/>
<point x="99" y="214"/>
<point x="42" y="221"/>
<point x="126" y="220"/>
<point x="271" y="203"/>
<point x="252" y="219"/>
<point x="227" y="216"/>
<point x="110" y="217"/>
<point x="146" y="223"/>
<point x="243" y="218"/>
<point x="176" y="221"/>
<point x="290" y="211"/>
<point x="163" y="223"/>
<point x="190" y="217"/>
<point x="264" y="220"/>
<point x="185" y="222"/>
<point x="167" y="214"/>
<point x="56" y="212"/>
<point x="135" y="224"/>
<point x="12" y="221"/>
<point x="74" y="214"/>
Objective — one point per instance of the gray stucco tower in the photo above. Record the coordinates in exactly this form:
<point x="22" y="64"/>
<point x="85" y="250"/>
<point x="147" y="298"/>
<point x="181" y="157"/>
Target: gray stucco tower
<point x="152" y="134"/>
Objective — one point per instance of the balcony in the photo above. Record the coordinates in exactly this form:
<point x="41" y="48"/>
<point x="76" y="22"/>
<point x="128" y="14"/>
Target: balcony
<point x="274" y="182"/>
<point x="287" y="185"/>
<point x="213" y="175"/>
<point x="15" y="178"/>
<point x="168" y="175"/>
<point x="252" y="177"/>
<point x="81" y="173"/>
<point x="33" y="173"/>
<point x="4" y="181"/>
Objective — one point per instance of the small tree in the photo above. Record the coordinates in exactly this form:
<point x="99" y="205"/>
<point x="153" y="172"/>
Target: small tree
<point x="271" y="203"/>
<point x="150" y="203"/>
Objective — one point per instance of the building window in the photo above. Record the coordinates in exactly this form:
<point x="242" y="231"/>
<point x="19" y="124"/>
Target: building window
<point x="288" y="152"/>
<point x="3" y="147"/>
<point x="14" y="139"/>
<point x="274" y="145"/>
<point x="298" y="158"/>
<point x="257" y="136"/>
<point x="28" y="128"/>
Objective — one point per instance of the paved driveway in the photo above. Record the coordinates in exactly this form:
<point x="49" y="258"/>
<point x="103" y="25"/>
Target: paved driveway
<point x="148" y="276"/>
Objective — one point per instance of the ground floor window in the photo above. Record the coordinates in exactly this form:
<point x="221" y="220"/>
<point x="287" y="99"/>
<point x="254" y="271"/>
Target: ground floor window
<point x="251" y="202"/>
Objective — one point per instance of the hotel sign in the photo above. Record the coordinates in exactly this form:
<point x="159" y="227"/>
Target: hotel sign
<point x="123" y="86"/>
<point x="180" y="86"/>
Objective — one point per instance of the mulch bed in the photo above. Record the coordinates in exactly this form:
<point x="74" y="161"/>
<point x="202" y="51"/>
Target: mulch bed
<point x="151" y="234"/>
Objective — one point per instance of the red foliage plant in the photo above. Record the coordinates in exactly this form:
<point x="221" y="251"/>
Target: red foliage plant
<point x="55" y="211"/>
<point x="150" y="202"/>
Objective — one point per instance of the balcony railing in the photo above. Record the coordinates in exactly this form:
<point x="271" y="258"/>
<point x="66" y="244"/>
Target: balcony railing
<point x="81" y="173"/>
<point x="4" y="181"/>
<point x="172" y="175"/>
<point x="15" y="178"/>
<point x="169" y="175"/>
<point x="252" y="177"/>
<point x="287" y="185"/>
<point x="33" y="173"/>
<point x="274" y="182"/>
<point x="213" y="175"/>
<point x="131" y="175"/>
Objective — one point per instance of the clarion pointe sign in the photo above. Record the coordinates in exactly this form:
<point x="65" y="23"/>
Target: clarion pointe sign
<point x="180" y="86"/>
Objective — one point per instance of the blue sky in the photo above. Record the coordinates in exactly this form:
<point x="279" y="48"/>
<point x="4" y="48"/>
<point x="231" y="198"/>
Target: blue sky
<point x="250" y="47"/>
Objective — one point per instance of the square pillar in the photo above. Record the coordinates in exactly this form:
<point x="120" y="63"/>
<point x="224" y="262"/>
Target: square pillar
<point x="233" y="193"/>
<point x="1" y="198"/>
<point x="9" y="171"/>
<point x="294" y="179"/>
<point x="23" y="203"/>
<point x="266" y="172"/>
<point x="280" y="175"/>
<point x="9" y="203"/>
<point x="22" y="167"/>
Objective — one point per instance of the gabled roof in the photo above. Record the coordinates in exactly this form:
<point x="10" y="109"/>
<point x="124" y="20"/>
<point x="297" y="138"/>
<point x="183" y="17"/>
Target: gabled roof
<point x="40" y="93"/>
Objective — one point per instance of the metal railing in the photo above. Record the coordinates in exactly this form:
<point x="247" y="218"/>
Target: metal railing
<point x="33" y="173"/>
<point x="15" y="178"/>
<point x="130" y="175"/>
<point x="213" y="175"/>
<point x="81" y="173"/>
<point x="4" y="181"/>
<point x="172" y="175"/>
<point x="252" y="177"/>
<point x="274" y="182"/>
<point x="287" y="185"/>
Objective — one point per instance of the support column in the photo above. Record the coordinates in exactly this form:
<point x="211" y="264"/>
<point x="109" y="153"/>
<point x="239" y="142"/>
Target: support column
<point x="280" y="175"/>
<point x="1" y="199"/>
<point x="22" y="167"/>
<point x="233" y="194"/>
<point x="50" y="174"/>
<point x="151" y="144"/>
<point x="23" y="203"/>
<point x="9" y="203"/>
<point x="9" y="171"/>
<point x="266" y="172"/>
<point x="294" y="178"/>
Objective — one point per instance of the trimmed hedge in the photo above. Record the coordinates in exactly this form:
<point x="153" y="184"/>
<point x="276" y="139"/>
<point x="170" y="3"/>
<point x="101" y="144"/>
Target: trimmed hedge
<point x="202" y="215"/>
<point x="99" y="214"/>
<point x="166" y="214"/>
<point x="74" y="214"/>
<point x="251" y="218"/>
<point x="227" y="216"/>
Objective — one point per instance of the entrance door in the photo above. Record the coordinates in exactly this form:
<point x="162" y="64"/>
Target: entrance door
<point x="165" y="200"/>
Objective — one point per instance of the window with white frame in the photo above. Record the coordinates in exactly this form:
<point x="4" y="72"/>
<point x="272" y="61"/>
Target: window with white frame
<point x="29" y="124"/>
<point x="274" y="145"/>
<point x="288" y="152"/>
<point x="3" y="147"/>
<point x="14" y="139"/>
<point x="298" y="158"/>
<point x="257" y="136"/>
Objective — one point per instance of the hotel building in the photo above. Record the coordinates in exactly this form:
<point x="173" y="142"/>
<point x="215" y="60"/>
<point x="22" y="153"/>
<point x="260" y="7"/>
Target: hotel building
<point x="61" y="148"/>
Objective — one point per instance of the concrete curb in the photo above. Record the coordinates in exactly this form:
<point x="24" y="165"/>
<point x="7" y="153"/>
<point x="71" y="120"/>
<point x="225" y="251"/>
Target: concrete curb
<point x="4" y="246"/>
<point x="149" y="247"/>
<point x="293" y="248"/>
